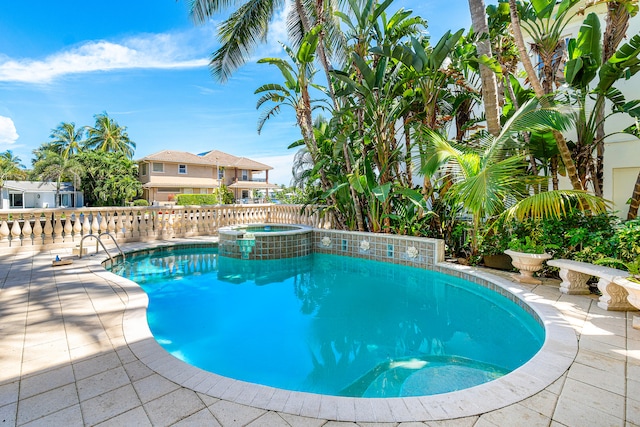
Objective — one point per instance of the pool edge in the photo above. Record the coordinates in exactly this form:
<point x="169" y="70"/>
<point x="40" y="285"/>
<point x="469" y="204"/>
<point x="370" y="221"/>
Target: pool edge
<point x="550" y="363"/>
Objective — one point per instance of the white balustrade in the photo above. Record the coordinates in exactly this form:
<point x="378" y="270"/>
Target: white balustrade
<point x="37" y="227"/>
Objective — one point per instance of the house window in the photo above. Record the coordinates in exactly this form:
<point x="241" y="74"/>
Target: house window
<point x="16" y="200"/>
<point x="158" y="167"/>
<point x="220" y="173"/>
<point x="66" y="200"/>
<point x="187" y="191"/>
<point x="143" y="169"/>
<point x="182" y="169"/>
<point x="245" y="175"/>
<point x="203" y="191"/>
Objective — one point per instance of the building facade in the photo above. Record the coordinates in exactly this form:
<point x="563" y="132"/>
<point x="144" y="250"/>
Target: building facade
<point x="167" y="173"/>
<point x="38" y="194"/>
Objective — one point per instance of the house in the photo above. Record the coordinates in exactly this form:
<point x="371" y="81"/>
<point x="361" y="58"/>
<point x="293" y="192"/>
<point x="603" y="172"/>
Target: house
<point x="38" y="194"/>
<point x="167" y="173"/>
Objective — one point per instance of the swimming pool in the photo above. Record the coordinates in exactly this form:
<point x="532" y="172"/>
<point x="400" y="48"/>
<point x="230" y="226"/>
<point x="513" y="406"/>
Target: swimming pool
<point x="331" y="324"/>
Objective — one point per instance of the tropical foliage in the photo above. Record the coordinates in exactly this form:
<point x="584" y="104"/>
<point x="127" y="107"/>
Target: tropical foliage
<point x="10" y="167"/>
<point x="403" y="145"/>
<point x="95" y="159"/>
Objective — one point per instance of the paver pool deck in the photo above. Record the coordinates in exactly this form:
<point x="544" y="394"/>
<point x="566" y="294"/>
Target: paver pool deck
<point x="66" y="360"/>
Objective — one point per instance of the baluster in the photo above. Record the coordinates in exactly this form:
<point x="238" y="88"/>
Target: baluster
<point x="211" y="226"/>
<point x="135" y="225"/>
<point x="77" y="226"/>
<point x="201" y="221"/>
<point x="170" y="232"/>
<point x="157" y="225"/>
<point x="193" y="220"/>
<point x="4" y="233"/>
<point x="111" y="224"/>
<point x="57" y="227"/>
<point x="127" y="224"/>
<point x="162" y="225"/>
<point x="212" y="221"/>
<point x="104" y="226"/>
<point x="120" y="231"/>
<point x="86" y="225"/>
<point x="26" y="231"/>
<point x="68" y="228"/>
<point x="184" y="222"/>
<point x="176" y="222"/>
<point x="37" y="231"/>
<point x="48" y="230"/>
<point x="144" y="224"/>
<point x="16" y="231"/>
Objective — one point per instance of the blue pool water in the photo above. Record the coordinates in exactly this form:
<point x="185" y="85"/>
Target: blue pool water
<point x="331" y="325"/>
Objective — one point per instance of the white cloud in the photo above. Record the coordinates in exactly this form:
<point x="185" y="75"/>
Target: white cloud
<point x="8" y="132"/>
<point x="172" y="50"/>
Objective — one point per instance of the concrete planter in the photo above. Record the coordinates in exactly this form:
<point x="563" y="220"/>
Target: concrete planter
<point x="527" y="264"/>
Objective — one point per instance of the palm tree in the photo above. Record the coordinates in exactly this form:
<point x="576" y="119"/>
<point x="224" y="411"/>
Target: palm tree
<point x="108" y="136"/>
<point x="545" y="8"/>
<point x="10" y="167"/>
<point x="489" y="83"/>
<point x="618" y="14"/>
<point x="248" y="26"/>
<point x="55" y="167"/>
<point x="67" y="138"/>
<point x="491" y="180"/>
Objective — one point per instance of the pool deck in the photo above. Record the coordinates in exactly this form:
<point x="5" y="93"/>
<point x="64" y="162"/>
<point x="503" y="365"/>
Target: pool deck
<point x="66" y="360"/>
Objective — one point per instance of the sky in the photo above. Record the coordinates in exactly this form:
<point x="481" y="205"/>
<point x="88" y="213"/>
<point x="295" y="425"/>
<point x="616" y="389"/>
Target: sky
<point x="145" y="64"/>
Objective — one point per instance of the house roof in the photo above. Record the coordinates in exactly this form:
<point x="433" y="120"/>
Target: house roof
<point x="172" y="156"/>
<point x="220" y="158"/>
<point x="37" y="186"/>
<point x="211" y="158"/>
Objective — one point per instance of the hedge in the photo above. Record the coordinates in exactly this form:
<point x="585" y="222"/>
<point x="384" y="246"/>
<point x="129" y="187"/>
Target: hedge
<point x="196" y="199"/>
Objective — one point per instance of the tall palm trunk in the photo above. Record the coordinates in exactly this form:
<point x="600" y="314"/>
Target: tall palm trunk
<point x="635" y="200"/>
<point x="617" y="25"/>
<point x="327" y="67"/>
<point x="488" y="77"/>
<point x="563" y="148"/>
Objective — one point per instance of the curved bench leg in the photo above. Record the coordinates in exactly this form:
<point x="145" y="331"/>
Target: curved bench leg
<point x="574" y="282"/>
<point x="614" y="297"/>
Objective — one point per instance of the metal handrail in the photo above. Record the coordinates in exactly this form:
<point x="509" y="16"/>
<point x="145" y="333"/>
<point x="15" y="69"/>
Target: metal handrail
<point x="106" y="233"/>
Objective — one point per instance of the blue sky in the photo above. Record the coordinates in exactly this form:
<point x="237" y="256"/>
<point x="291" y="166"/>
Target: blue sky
<point x="145" y="64"/>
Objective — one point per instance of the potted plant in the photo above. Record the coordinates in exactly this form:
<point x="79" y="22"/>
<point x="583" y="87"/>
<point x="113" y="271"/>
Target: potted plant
<point x="493" y="243"/>
<point x="527" y="256"/>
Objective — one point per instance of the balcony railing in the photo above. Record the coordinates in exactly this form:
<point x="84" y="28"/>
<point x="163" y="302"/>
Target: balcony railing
<point x="32" y="228"/>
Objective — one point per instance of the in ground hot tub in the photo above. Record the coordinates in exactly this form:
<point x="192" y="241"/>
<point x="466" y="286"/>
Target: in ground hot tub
<point x="265" y="241"/>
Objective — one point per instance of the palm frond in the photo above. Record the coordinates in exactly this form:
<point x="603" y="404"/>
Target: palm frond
<point x="240" y="34"/>
<point x="555" y="204"/>
<point x="266" y="115"/>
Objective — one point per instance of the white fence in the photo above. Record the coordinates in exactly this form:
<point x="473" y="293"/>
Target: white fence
<point x="48" y="228"/>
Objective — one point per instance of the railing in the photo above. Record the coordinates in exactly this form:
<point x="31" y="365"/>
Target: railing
<point x="47" y="228"/>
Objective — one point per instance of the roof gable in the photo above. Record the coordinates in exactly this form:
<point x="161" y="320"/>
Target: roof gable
<point x="211" y="158"/>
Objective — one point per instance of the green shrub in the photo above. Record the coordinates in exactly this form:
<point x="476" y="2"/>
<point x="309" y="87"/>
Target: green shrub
<point x="628" y="240"/>
<point x="577" y="236"/>
<point x="196" y="199"/>
<point x="140" y="202"/>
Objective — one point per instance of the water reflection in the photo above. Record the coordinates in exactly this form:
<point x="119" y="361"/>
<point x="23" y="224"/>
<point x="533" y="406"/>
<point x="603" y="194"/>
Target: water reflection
<point x="333" y="325"/>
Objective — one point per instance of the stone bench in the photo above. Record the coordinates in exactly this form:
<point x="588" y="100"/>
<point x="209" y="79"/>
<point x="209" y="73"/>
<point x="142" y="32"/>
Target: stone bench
<point x="575" y="274"/>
